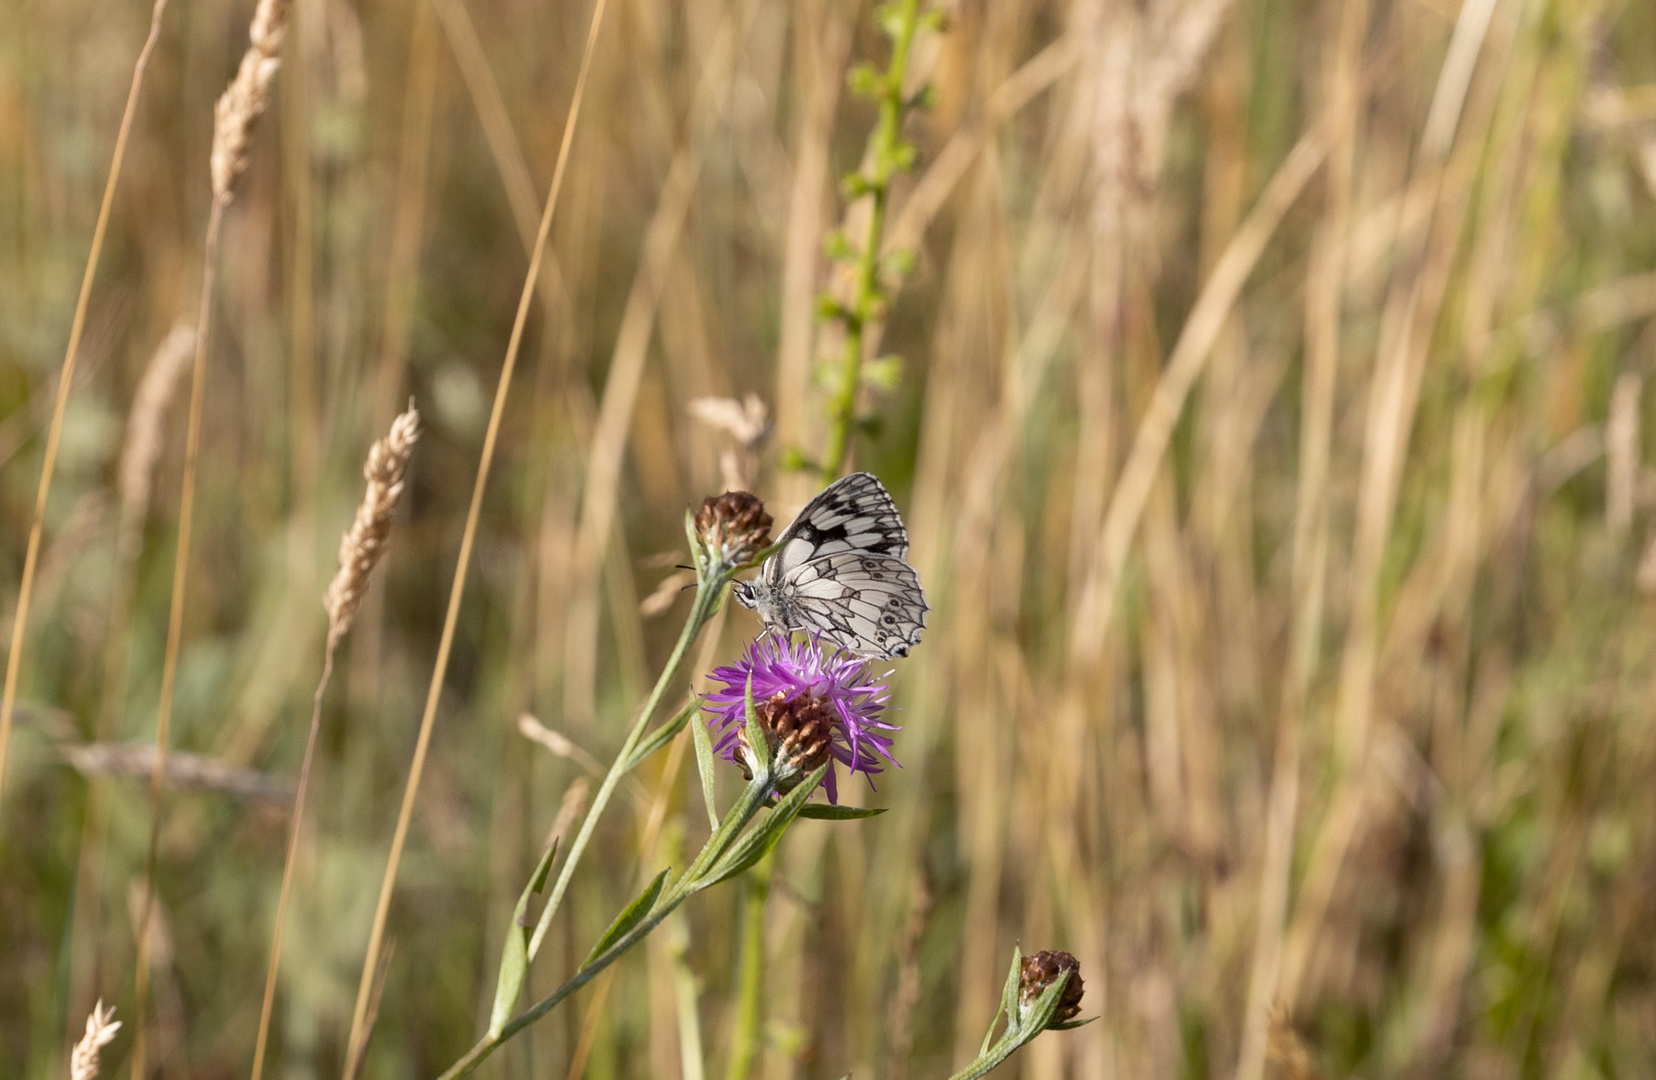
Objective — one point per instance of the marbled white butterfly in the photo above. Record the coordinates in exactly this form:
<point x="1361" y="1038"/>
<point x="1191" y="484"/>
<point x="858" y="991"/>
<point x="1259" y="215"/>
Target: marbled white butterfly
<point x="839" y="572"/>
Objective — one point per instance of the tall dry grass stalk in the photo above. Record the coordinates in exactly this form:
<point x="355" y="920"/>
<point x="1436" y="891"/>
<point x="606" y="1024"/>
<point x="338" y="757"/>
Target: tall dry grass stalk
<point x="101" y="1029"/>
<point x="599" y="493"/>
<point x="234" y="117"/>
<point x="360" y="550"/>
<point x="356" y="1043"/>
<point x="66" y="376"/>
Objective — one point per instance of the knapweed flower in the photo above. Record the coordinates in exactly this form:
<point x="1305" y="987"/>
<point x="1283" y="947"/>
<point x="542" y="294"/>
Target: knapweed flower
<point x="1041" y="971"/>
<point x="733" y="527"/>
<point x="815" y="707"/>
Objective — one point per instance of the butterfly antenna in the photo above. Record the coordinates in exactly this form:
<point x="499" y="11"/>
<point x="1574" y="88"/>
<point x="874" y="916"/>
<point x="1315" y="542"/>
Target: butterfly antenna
<point x="681" y="566"/>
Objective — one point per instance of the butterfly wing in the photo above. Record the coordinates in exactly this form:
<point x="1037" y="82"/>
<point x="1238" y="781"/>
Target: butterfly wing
<point x="853" y="514"/>
<point x="867" y="604"/>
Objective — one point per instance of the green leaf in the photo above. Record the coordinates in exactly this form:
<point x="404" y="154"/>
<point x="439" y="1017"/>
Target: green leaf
<point x="794" y="460"/>
<point x="890" y="17"/>
<point x="836" y="246"/>
<point x="863" y="81"/>
<point x="758" y="745"/>
<point x="763" y="837"/>
<point x="630" y="916"/>
<point x="1071" y="1024"/>
<point x="704" y="765"/>
<point x="935" y="19"/>
<point x="1009" y="995"/>
<point x="1040" y="1013"/>
<point x="695" y="541"/>
<point x="822" y="812"/>
<point x="662" y="735"/>
<point x="883" y="373"/>
<point x="514" y="958"/>
<point x="899" y="263"/>
<point x="855" y="185"/>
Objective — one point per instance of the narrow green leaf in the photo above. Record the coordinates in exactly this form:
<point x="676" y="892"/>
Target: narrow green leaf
<point x="694" y="541"/>
<point x="1040" y="1014"/>
<point x="704" y="765"/>
<point x="823" y="812"/>
<point x="763" y="837"/>
<point x="662" y="735"/>
<point x="1071" y="1024"/>
<point x="1009" y="995"/>
<point x="630" y="916"/>
<point x="514" y="958"/>
<point x="758" y="745"/>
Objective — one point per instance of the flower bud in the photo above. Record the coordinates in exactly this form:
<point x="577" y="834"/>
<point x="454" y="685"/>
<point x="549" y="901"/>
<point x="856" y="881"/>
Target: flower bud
<point x="800" y="733"/>
<point x="1041" y="971"/>
<point x="733" y="527"/>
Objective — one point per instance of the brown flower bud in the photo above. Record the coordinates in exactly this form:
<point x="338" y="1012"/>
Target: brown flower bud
<point x="733" y="527"/>
<point x="1041" y="971"/>
<point x="800" y="733"/>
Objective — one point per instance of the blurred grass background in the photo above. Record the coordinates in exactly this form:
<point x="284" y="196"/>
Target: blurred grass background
<point x="1342" y="766"/>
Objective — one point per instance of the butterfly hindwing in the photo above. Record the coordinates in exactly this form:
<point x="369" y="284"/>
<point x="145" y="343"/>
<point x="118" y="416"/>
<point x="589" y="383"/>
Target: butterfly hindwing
<point x="866" y="603"/>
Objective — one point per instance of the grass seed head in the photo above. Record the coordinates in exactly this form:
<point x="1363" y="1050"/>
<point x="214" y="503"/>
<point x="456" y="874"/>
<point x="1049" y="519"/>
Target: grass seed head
<point x="363" y="544"/>
<point x="244" y="100"/>
<point x="101" y="1029"/>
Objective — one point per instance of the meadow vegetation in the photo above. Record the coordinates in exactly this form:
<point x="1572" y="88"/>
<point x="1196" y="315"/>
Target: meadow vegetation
<point x="1264" y="384"/>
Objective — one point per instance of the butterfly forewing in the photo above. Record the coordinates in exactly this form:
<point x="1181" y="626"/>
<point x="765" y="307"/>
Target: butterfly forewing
<point x="854" y="513"/>
<point x="840" y="572"/>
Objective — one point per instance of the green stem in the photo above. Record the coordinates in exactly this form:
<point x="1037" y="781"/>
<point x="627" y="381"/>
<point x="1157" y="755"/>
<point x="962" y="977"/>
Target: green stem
<point x="709" y="595"/>
<point x="744" y="1043"/>
<point x="991" y="1060"/>
<point x="752" y="799"/>
<point x="866" y="296"/>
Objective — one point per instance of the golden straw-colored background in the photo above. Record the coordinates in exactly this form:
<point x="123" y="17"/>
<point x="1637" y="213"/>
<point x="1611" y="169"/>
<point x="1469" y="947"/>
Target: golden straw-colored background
<point x="1270" y="425"/>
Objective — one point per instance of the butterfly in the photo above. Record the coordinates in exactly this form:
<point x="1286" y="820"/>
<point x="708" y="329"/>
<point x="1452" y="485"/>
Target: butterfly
<point x="839" y="572"/>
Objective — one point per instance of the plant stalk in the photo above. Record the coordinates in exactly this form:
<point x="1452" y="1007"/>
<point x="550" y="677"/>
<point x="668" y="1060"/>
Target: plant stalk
<point x="866" y="297"/>
<point x="752" y="799"/>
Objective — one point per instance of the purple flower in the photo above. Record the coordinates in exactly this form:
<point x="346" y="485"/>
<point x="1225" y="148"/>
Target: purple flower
<point x="794" y="684"/>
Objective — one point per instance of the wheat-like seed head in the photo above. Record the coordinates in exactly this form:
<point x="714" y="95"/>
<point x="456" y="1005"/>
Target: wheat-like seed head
<point x="246" y="97"/>
<point x="363" y="544"/>
<point x="101" y="1027"/>
<point x="146" y="422"/>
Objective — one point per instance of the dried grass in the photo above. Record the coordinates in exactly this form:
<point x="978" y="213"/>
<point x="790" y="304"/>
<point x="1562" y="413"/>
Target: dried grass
<point x="101" y="1029"/>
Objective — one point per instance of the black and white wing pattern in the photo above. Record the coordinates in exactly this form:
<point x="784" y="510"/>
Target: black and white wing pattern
<point x="871" y="605"/>
<point x="840" y="572"/>
<point x="854" y="513"/>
